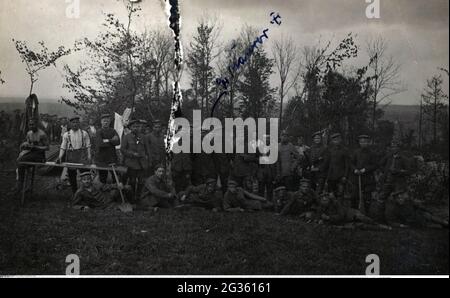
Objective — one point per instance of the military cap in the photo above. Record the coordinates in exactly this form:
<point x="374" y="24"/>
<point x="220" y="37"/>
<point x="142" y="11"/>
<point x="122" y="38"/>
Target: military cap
<point x="232" y="182"/>
<point x="84" y="174"/>
<point x="210" y="180"/>
<point x="304" y="180"/>
<point x="363" y="136"/>
<point x="317" y="133"/>
<point x="280" y="188"/>
<point x="335" y="135"/>
<point x="105" y="116"/>
<point x="74" y="118"/>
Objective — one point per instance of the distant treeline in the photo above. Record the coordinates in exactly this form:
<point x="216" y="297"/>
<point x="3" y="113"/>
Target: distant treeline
<point x="51" y="108"/>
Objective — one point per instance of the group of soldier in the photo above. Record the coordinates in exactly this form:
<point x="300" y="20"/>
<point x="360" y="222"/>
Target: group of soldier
<point x="326" y="183"/>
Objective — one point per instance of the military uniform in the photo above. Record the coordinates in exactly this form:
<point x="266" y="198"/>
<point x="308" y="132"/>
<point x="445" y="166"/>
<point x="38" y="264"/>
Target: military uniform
<point x="364" y="158"/>
<point x="397" y="169"/>
<point x="105" y="142"/>
<point x="316" y="166"/>
<point x="181" y="169"/>
<point x="134" y="149"/>
<point x="337" y="165"/>
<point x="288" y="158"/>
<point x="300" y="203"/>
<point x="336" y="213"/>
<point x="157" y="193"/>
<point x="409" y="213"/>
<point x="238" y="199"/>
<point x="156" y="150"/>
<point x="200" y="196"/>
<point x="97" y="196"/>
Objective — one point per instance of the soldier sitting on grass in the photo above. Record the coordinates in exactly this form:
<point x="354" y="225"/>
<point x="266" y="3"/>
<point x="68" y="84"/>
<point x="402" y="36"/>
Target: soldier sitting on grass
<point x="96" y="195"/>
<point x="332" y="212"/>
<point x="204" y="195"/>
<point x="157" y="193"/>
<point x="302" y="203"/>
<point x="402" y="211"/>
<point x="237" y="199"/>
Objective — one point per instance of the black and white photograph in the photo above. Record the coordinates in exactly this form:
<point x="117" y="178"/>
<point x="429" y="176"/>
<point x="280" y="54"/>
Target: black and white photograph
<point x="224" y="139"/>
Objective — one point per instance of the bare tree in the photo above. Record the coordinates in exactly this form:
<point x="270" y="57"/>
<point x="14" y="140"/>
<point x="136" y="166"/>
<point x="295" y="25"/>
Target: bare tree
<point x="384" y="74"/>
<point x="287" y="64"/>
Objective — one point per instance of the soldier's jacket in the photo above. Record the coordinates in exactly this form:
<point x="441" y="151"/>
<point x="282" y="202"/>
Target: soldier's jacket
<point x="365" y="158"/>
<point x="156" y="150"/>
<point x="396" y="164"/>
<point x="156" y="187"/>
<point x="288" y="158"/>
<point x="316" y="157"/>
<point x="135" y="144"/>
<point x="340" y="214"/>
<point x="299" y="203"/>
<point x="98" y="196"/>
<point x="239" y="200"/>
<point x="106" y="152"/>
<point x="181" y="163"/>
<point x="156" y="191"/>
<point x="198" y="195"/>
<point x="337" y="162"/>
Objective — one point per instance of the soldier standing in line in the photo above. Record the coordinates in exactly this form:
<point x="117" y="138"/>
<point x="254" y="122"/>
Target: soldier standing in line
<point x="337" y="167"/>
<point x="316" y="157"/>
<point x="157" y="150"/>
<point x="134" y="149"/>
<point x="288" y="158"/>
<point x="363" y="165"/>
<point x="106" y="141"/>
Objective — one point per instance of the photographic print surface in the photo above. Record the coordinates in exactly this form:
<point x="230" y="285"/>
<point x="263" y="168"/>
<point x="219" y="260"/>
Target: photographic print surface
<point x="210" y="137"/>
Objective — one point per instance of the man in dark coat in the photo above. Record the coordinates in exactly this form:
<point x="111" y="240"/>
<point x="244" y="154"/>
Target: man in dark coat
<point x="157" y="192"/>
<point x="205" y="195"/>
<point x="106" y="141"/>
<point x="181" y="169"/>
<point x="402" y="211"/>
<point x="337" y="166"/>
<point x="135" y="152"/>
<point x="303" y="202"/>
<point x="157" y="149"/>
<point x="316" y="157"/>
<point x="363" y="165"/>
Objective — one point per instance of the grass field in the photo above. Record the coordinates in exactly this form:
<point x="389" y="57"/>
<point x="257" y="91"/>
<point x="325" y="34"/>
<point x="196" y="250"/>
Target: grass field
<point x="37" y="238"/>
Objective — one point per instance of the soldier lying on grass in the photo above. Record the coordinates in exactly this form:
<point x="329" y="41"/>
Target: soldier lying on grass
<point x="96" y="195"/>
<point x="237" y="199"/>
<point x="205" y="196"/>
<point x="402" y="211"/>
<point x="332" y="212"/>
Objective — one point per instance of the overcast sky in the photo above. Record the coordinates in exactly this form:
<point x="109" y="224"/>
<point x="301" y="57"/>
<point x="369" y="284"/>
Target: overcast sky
<point x="417" y="31"/>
